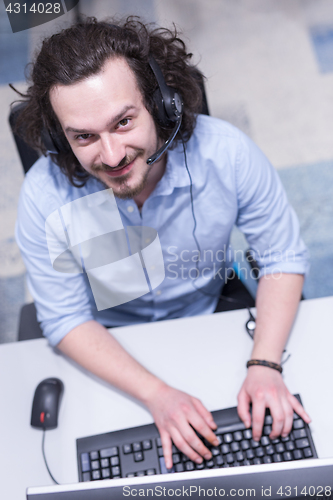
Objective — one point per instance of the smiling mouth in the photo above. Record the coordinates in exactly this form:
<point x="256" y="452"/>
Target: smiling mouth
<point x="116" y="171"/>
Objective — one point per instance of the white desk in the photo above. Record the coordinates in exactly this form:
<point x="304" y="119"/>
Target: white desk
<point x="204" y="356"/>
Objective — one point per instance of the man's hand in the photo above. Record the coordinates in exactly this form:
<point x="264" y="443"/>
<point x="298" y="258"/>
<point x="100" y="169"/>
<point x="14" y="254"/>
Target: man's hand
<point x="176" y="414"/>
<point x="265" y="388"/>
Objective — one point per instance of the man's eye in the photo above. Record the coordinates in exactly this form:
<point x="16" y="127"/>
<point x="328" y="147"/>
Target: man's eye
<point x="123" y="122"/>
<point x="84" y="137"/>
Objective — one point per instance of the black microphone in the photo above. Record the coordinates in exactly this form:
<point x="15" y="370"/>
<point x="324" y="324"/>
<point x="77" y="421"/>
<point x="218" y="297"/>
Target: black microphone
<point x="156" y="156"/>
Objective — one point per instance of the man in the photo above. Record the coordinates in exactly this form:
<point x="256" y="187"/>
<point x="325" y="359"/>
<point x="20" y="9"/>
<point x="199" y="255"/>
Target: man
<point x="93" y="90"/>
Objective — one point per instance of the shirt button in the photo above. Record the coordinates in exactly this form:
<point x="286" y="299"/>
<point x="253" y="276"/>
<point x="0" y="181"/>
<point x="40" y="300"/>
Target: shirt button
<point x="158" y="292"/>
<point x="130" y="208"/>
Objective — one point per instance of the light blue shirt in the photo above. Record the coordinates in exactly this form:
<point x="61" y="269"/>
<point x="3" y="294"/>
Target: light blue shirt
<point x="233" y="184"/>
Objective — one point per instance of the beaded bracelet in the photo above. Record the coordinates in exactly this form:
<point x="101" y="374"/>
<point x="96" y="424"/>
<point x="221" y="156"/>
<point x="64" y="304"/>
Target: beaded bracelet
<point x="262" y="362"/>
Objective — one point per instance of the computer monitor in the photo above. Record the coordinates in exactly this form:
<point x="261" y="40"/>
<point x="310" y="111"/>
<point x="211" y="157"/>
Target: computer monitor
<point x="305" y="479"/>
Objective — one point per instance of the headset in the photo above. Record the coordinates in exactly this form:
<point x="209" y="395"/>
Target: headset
<point x="169" y="112"/>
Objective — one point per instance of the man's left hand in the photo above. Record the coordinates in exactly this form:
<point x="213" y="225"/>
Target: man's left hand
<point x="265" y="388"/>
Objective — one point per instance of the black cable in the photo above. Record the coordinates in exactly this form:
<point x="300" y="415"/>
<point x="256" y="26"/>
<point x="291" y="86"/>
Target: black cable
<point x="43" y="451"/>
<point x="250" y="328"/>
<point x="223" y="297"/>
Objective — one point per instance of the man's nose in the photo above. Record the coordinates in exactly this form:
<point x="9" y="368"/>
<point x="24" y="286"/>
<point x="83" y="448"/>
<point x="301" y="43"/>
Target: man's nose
<point x="112" y="150"/>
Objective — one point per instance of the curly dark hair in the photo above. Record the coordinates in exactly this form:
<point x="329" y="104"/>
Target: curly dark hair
<point x="81" y="51"/>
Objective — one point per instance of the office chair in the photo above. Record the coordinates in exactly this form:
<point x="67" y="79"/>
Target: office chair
<point x="29" y="327"/>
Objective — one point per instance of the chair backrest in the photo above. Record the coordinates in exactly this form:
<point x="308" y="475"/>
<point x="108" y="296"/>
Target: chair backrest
<point x="29" y="156"/>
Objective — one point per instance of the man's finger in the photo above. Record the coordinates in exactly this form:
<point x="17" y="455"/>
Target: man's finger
<point x="298" y="408"/>
<point x="258" y="416"/>
<point x="185" y="447"/>
<point x="243" y="408"/>
<point x="201" y="426"/>
<point x="288" y="417"/>
<point x="206" y="415"/>
<point x="167" y="448"/>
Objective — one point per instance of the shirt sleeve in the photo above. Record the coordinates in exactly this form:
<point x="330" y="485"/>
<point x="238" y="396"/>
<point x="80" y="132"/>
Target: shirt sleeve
<point x="267" y="220"/>
<point x="62" y="299"/>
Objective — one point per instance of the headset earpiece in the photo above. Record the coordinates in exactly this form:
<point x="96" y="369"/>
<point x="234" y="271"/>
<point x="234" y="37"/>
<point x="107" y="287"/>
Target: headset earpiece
<point x="168" y="102"/>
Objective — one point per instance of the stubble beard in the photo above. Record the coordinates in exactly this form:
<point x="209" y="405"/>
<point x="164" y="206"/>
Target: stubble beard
<point x="120" y="185"/>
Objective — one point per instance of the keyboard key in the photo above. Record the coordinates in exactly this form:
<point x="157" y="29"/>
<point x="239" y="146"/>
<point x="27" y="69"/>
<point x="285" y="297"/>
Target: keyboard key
<point x="95" y="464"/>
<point x="300" y="433"/>
<point x="302" y="443"/>
<point x="298" y="424"/>
<point x="229" y="458"/>
<point x="247" y="462"/>
<point x="245" y="445"/>
<point x="247" y="434"/>
<point x="114" y="461"/>
<point x="227" y="438"/>
<point x="94" y="455"/>
<point x="189" y="465"/>
<point x="116" y="477"/>
<point x="267" y="460"/>
<point x="255" y="444"/>
<point x="238" y="436"/>
<point x="109" y="452"/>
<point x="218" y="460"/>
<point x="96" y="475"/>
<point x="160" y="452"/>
<point x="259" y="452"/>
<point x="147" y="445"/>
<point x="267" y="430"/>
<point x="150" y="472"/>
<point x="285" y="439"/>
<point x="269" y="450"/>
<point x="210" y="464"/>
<point x="225" y="448"/>
<point x="215" y="451"/>
<point x="106" y="473"/>
<point x="115" y="471"/>
<point x="105" y="462"/>
<point x="279" y="448"/>
<point x="200" y="466"/>
<point x="249" y="454"/>
<point x="297" y="454"/>
<point x="85" y="462"/>
<point x="268" y="420"/>
<point x="163" y="468"/>
<point x="127" y="448"/>
<point x="290" y="446"/>
<point x="307" y="452"/>
<point x="141" y="473"/>
<point x="264" y="441"/>
<point x="257" y="461"/>
<point x="234" y="447"/>
<point x="136" y="447"/>
<point x="86" y="476"/>
<point x="158" y="442"/>
<point x="287" y="456"/>
<point x="138" y="457"/>
<point x="276" y="441"/>
<point x="277" y="457"/>
<point x="180" y="467"/>
<point x="130" y="474"/>
<point x="176" y="458"/>
<point x="239" y="456"/>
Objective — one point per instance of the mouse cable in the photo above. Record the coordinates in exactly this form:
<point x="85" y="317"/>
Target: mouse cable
<point x="250" y="324"/>
<point x="43" y="451"/>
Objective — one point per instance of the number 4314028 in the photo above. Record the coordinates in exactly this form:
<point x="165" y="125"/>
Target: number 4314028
<point x="310" y="491"/>
<point x="35" y="8"/>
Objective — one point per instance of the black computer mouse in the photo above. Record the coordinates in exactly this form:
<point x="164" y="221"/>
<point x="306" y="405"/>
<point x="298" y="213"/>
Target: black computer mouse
<point x="46" y="403"/>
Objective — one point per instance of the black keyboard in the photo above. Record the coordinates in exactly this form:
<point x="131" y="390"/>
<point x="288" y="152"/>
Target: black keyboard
<point x="138" y="451"/>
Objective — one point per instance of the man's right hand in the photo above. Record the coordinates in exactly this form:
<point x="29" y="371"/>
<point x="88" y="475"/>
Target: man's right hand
<point x="177" y="415"/>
